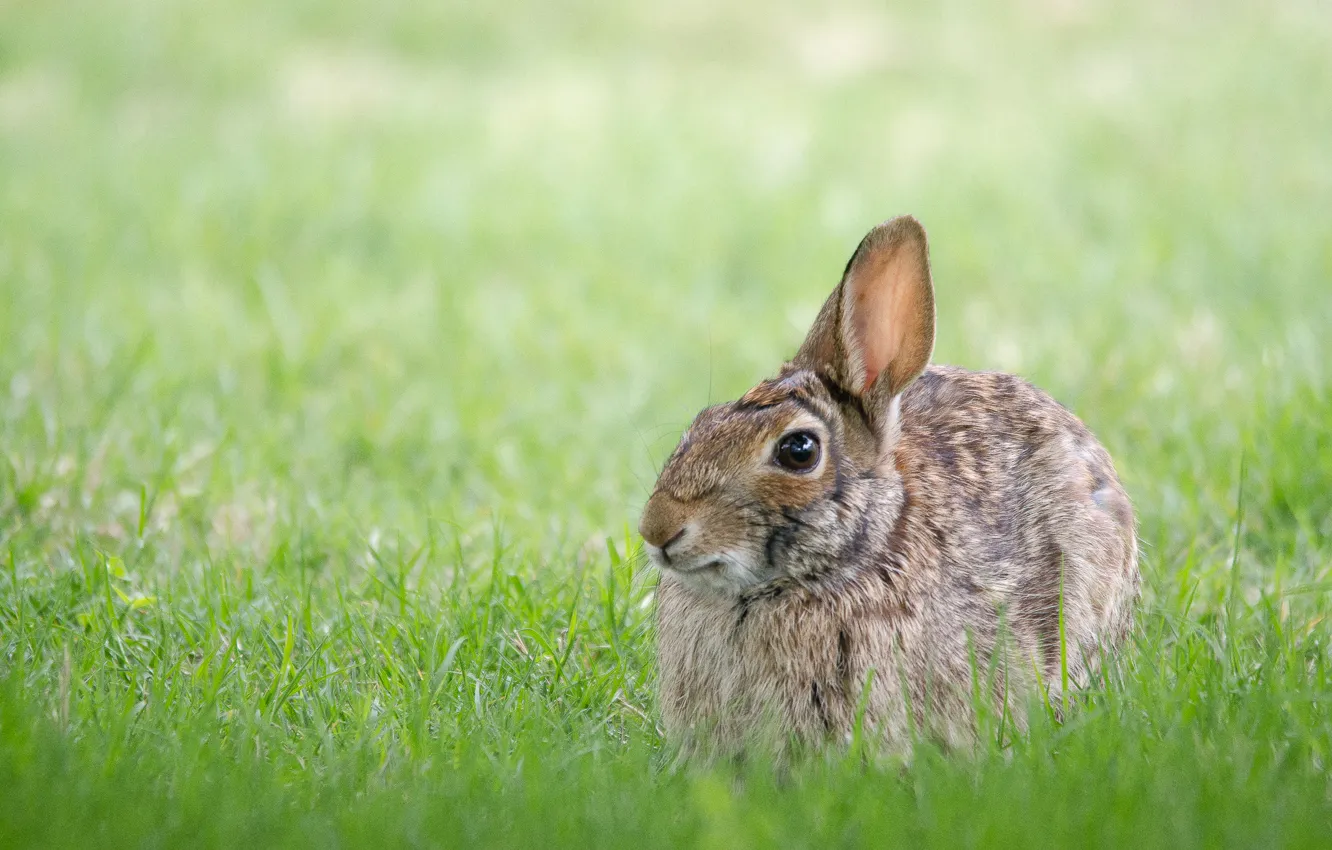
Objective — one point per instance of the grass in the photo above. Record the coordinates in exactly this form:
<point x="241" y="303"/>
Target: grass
<point x="340" y="341"/>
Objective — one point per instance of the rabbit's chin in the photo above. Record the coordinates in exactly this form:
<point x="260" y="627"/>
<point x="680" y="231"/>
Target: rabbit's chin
<point x="718" y="574"/>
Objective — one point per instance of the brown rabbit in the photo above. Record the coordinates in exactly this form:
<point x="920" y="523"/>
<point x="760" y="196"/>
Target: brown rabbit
<point x="866" y="538"/>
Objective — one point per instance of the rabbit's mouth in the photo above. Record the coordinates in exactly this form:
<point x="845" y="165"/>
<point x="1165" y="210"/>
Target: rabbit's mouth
<point x="724" y="573"/>
<point x="687" y="565"/>
<point x="702" y="566"/>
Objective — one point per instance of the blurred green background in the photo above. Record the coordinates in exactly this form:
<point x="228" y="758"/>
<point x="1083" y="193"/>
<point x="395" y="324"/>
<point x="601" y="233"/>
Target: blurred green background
<point x="347" y="331"/>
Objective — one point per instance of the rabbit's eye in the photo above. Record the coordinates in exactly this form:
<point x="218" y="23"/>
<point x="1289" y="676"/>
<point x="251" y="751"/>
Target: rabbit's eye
<point x="798" y="452"/>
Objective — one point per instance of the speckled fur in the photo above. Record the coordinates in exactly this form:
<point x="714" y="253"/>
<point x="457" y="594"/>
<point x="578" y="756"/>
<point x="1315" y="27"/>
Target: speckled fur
<point x="928" y="545"/>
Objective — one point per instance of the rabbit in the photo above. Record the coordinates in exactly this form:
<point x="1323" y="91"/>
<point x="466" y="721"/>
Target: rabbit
<point x="870" y="542"/>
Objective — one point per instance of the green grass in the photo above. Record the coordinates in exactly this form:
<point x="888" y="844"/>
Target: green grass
<point x="338" y="343"/>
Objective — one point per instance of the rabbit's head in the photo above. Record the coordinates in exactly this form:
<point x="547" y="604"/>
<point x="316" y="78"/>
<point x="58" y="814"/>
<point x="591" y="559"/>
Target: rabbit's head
<point x="798" y="473"/>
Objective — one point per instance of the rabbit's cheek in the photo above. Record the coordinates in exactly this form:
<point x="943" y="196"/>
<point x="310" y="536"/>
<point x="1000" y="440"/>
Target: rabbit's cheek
<point x="721" y="530"/>
<point x="779" y="492"/>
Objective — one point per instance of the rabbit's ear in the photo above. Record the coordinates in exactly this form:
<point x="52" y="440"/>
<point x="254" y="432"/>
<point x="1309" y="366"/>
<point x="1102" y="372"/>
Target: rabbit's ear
<point x="875" y="333"/>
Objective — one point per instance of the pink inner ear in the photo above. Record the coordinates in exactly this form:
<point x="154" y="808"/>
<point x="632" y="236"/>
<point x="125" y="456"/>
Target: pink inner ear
<point x="885" y="291"/>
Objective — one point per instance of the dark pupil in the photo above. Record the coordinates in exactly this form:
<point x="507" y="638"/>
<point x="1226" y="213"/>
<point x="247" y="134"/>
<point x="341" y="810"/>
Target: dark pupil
<point x="798" y="451"/>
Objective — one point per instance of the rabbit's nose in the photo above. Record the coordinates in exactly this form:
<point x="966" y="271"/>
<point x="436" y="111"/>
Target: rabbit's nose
<point x="663" y="521"/>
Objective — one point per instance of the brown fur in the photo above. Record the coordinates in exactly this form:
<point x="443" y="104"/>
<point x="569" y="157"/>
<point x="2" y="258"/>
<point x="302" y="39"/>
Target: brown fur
<point x="926" y="546"/>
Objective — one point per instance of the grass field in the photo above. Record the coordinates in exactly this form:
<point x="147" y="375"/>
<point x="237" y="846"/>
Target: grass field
<point x="339" y="342"/>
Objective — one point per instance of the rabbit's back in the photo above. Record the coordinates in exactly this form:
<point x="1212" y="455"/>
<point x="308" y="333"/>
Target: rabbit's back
<point x="1021" y="506"/>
